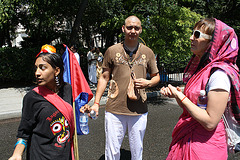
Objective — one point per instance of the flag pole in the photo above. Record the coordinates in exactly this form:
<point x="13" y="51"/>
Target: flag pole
<point x="75" y="140"/>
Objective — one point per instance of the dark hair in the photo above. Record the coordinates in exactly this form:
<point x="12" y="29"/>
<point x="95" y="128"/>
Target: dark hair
<point x="55" y="60"/>
<point x="208" y="27"/>
<point x="74" y="46"/>
<point x="61" y="49"/>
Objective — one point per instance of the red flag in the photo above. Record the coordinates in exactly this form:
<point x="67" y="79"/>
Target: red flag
<point x="78" y="80"/>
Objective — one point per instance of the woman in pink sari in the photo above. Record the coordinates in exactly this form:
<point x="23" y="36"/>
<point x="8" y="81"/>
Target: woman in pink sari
<point x="200" y="133"/>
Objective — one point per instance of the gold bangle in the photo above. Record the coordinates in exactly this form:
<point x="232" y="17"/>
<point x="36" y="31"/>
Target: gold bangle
<point x="183" y="98"/>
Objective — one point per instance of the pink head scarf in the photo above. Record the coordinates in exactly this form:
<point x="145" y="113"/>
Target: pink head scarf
<point x="223" y="52"/>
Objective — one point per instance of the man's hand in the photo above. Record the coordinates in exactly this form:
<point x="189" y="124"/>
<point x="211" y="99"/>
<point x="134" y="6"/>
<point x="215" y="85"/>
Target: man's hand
<point x="141" y="83"/>
<point x="87" y="109"/>
<point x="95" y="107"/>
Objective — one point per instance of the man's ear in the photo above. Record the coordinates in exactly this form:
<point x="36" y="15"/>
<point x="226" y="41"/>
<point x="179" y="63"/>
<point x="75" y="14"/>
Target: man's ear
<point x="123" y="28"/>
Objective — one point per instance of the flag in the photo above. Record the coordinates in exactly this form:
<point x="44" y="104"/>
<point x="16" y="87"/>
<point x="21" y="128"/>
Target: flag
<point x="81" y="91"/>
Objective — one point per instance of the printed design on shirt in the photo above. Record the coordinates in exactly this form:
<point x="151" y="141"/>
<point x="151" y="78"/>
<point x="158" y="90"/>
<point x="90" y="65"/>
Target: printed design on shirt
<point x="113" y="89"/>
<point x="60" y="127"/>
<point x="52" y="116"/>
<point x="122" y="59"/>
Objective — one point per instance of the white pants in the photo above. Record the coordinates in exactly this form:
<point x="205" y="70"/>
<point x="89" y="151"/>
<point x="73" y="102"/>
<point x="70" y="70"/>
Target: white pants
<point x="115" y="129"/>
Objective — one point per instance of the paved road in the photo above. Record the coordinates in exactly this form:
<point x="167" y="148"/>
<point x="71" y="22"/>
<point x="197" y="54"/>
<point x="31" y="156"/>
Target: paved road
<point x="163" y="115"/>
<point x="161" y="120"/>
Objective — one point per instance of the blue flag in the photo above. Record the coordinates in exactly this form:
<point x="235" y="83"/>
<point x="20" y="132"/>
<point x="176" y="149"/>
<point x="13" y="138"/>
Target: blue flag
<point x="73" y="75"/>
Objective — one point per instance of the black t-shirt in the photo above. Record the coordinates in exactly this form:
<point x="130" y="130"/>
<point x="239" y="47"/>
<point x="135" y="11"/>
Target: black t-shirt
<point x="45" y="127"/>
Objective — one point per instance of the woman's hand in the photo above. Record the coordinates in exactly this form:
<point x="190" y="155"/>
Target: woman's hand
<point x="18" y="151"/>
<point x="174" y="90"/>
<point x="170" y="91"/>
<point x="15" y="157"/>
<point x="166" y="92"/>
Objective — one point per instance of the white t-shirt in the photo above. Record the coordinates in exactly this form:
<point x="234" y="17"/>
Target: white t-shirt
<point x="77" y="56"/>
<point x="92" y="57"/>
<point x="219" y="80"/>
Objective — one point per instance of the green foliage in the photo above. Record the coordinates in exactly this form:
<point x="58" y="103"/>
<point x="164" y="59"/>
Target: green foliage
<point x="167" y="28"/>
<point x="17" y="65"/>
<point x="9" y="10"/>
<point x="103" y="17"/>
<point x="167" y="25"/>
<point x="168" y="34"/>
<point x="226" y="11"/>
<point x="47" y="20"/>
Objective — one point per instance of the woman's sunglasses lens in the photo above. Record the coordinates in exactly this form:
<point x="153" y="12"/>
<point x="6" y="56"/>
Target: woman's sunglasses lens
<point x="196" y="34"/>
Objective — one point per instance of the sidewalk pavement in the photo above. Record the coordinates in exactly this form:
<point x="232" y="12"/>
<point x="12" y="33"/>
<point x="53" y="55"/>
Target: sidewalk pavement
<point x="11" y="100"/>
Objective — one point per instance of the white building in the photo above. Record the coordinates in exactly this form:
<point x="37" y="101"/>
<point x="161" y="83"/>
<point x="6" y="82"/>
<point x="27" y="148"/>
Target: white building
<point x="20" y="34"/>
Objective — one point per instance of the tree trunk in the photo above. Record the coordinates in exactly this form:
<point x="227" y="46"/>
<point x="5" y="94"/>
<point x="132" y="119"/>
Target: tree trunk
<point x="1" y="38"/>
<point x="8" y="38"/>
<point x="77" y="22"/>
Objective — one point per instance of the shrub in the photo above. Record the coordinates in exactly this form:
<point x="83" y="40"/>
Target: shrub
<point x="17" y="65"/>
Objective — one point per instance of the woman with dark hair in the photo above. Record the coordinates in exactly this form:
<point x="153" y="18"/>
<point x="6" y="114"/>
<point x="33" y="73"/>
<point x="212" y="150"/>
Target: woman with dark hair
<point x="47" y="125"/>
<point x="200" y="132"/>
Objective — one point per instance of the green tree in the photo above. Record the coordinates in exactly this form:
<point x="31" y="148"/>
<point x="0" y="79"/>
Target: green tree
<point x="166" y="27"/>
<point x="168" y="32"/>
<point x="108" y="16"/>
<point x="48" y="20"/>
<point x="9" y="10"/>
<point x="77" y="22"/>
<point x="226" y="11"/>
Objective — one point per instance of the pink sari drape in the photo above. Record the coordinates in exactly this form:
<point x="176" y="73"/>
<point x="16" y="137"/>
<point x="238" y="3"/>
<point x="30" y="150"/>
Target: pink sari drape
<point x="190" y="140"/>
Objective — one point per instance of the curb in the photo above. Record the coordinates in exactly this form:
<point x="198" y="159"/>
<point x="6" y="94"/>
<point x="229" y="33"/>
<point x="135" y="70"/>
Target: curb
<point x="9" y="115"/>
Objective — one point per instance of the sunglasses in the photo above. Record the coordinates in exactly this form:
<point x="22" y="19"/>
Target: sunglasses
<point x="131" y="27"/>
<point x="198" y="34"/>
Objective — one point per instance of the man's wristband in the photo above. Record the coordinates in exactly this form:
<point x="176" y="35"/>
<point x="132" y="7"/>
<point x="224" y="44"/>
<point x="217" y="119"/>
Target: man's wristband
<point x="97" y="103"/>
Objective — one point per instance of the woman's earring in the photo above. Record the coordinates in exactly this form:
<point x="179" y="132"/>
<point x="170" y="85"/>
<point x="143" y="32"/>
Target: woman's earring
<point x="57" y="81"/>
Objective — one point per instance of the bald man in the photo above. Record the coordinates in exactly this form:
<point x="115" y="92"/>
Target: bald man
<point x="126" y="65"/>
